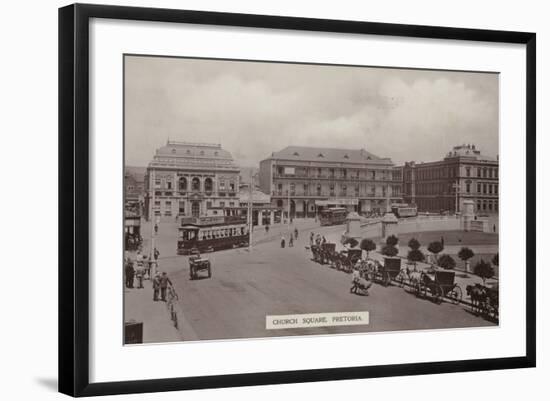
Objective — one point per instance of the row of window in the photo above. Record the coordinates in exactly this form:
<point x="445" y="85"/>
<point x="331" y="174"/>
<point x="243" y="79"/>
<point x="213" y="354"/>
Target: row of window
<point x="195" y="185"/>
<point x="343" y="173"/>
<point x="483" y="172"/>
<point x="487" y="205"/>
<point x="343" y="190"/>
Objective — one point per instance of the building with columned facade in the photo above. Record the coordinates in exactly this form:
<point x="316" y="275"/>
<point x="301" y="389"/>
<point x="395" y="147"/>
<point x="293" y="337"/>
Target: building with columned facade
<point x="302" y="180"/>
<point x="464" y="173"/>
<point x="191" y="179"/>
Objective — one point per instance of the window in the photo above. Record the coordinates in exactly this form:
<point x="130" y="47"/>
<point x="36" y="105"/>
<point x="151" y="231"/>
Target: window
<point x="484" y="175"/>
<point x="168" y="184"/>
<point x="346" y="156"/>
<point x="222" y="204"/>
<point x="231" y="204"/>
<point x="344" y="189"/>
<point x="320" y="155"/>
<point x="345" y="172"/>
<point x="222" y="185"/>
<point x="157" y="203"/>
<point x="183" y="184"/>
<point x="373" y="175"/>
<point x="182" y="207"/>
<point x="468" y="187"/>
<point x="357" y="190"/>
<point x="208" y="185"/>
<point x="231" y="186"/>
<point x="296" y="154"/>
<point x="209" y="205"/>
<point x="157" y="183"/>
<point x="168" y="204"/>
<point x="173" y="151"/>
<point x="158" y="193"/>
<point x="490" y="188"/>
<point x="467" y="171"/>
<point x="305" y="189"/>
<point x="490" y="175"/>
<point x="484" y="188"/>
<point x="478" y="188"/>
<point x="331" y="171"/>
<point x="195" y="184"/>
<point x="478" y="172"/>
<point x="318" y="189"/>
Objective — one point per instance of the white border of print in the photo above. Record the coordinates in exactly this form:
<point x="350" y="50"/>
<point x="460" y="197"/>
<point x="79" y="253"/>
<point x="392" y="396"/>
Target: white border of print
<point x="110" y="361"/>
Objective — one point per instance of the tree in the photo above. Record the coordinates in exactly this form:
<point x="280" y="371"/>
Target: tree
<point x="415" y="255"/>
<point x="465" y="254"/>
<point x="484" y="270"/>
<point x="414" y="244"/>
<point x="435" y="247"/>
<point x="367" y="245"/>
<point x="352" y="242"/>
<point x="495" y="260"/>
<point x="389" y="250"/>
<point x="446" y="262"/>
<point x="392" y="240"/>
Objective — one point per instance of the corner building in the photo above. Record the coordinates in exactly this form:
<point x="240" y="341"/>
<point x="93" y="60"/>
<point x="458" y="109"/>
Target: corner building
<point x="303" y="180"/>
<point x="191" y="179"/>
<point x="464" y="173"/>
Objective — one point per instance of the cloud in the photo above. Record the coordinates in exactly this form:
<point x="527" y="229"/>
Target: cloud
<point x="253" y="109"/>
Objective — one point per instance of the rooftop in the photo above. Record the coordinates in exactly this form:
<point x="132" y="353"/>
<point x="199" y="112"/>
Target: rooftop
<point x="332" y="155"/>
<point x="190" y="154"/>
<point x="468" y="150"/>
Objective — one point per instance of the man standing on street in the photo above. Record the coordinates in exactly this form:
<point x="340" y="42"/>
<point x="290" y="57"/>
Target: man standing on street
<point x="156" y="254"/>
<point x="164" y="281"/>
<point x="129" y="275"/>
<point x="156" y="286"/>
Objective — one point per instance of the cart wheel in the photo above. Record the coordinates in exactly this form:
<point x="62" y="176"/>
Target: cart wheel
<point x="456" y="294"/>
<point x="438" y="296"/>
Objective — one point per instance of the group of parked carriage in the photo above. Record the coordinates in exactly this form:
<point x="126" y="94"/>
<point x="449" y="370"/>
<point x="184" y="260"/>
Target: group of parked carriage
<point x="435" y="284"/>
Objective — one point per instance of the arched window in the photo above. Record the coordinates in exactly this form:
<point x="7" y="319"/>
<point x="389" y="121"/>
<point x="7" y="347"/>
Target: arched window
<point x="183" y="184"/>
<point x="208" y="185"/>
<point x="195" y="184"/>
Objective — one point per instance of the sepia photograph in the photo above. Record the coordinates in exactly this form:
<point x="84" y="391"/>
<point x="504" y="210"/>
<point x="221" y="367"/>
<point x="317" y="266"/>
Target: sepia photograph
<point x="272" y="199"/>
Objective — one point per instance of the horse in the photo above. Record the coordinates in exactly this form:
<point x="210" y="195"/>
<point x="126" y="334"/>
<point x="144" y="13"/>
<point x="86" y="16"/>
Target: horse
<point x="415" y="280"/>
<point x="478" y="295"/>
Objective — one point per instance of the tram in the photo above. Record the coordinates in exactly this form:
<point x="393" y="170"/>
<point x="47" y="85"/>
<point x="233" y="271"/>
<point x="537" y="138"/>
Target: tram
<point x="333" y="216"/>
<point x="209" y="234"/>
<point x="402" y="210"/>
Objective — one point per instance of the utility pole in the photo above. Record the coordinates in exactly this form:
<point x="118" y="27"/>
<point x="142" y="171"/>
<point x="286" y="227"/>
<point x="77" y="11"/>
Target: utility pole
<point x="250" y="223"/>
<point x="456" y="186"/>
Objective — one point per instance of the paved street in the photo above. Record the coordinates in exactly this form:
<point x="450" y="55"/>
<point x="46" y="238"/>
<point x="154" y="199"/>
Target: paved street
<point x="247" y="286"/>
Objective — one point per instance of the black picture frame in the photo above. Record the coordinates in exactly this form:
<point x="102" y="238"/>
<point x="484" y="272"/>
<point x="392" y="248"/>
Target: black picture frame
<point x="74" y="198"/>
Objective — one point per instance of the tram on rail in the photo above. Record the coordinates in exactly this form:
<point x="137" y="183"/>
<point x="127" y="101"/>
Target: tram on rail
<point x="402" y="210"/>
<point x="209" y="234"/>
<point x="333" y="216"/>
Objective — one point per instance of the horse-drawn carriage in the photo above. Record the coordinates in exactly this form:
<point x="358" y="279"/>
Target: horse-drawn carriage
<point x="346" y="260"/>
<point x="385" y="273"/>
<point x="440" y="284"/>
<point x="324" y="253"/>
<point x="197" y="264"/>
<point x="484" y="300"/>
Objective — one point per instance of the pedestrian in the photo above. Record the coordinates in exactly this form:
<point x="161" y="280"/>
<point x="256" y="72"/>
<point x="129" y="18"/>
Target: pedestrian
<point x="140" y="272"/>
<point x="296" y="233"/>
<point x="318" y="239"/>
<point x="266" y="228"/>
<point x="156" y="287"/>
<point x="129" y="275"/>
<point x="324" y="241"/>
<point x="494" y="228"/>
<point x="164" y="281"/>
<point x="282" y="242"/>
<point x="156" y="253"/>
<point x="291" y="241"/>
<point x="311" y="237"/>
<point x="156" y="228"/>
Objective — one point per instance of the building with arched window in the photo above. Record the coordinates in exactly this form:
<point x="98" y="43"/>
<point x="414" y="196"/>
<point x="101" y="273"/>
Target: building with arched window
<point x="302" y="180"/>
<point x="191" y="179"/>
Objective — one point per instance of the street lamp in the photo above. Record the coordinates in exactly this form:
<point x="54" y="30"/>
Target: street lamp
<point x="456" y="187"/>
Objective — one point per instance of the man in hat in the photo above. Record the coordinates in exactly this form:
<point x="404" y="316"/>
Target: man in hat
<point x="156" y="287"/>
<point x="164" y="281"/>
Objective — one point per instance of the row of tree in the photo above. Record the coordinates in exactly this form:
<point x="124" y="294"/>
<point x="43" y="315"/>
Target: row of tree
<point x="482" y="268"/>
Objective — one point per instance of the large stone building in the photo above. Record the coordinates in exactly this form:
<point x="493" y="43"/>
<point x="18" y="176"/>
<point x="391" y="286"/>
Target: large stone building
<point x="191" y="179"/>
<point x="464" y="173"/>
<point x="304" y="179"/>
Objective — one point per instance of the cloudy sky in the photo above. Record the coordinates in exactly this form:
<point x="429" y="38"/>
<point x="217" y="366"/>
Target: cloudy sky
<point x="255" y="108"/>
